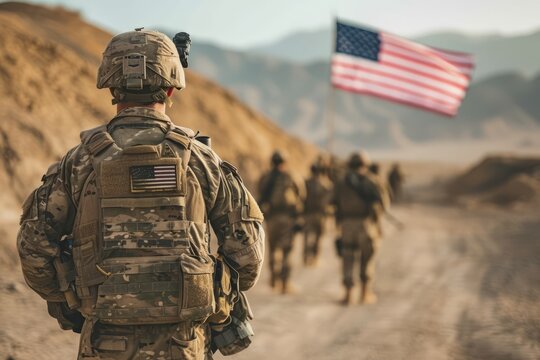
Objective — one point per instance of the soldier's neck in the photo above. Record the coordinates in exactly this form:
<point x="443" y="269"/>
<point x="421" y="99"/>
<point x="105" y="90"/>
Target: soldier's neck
<point x="156" y="106"/>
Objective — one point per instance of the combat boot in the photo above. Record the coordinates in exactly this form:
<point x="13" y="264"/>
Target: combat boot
<point x="367" y="296"/>
<point x="287" y="288"/>
<point x="347" y="299"/>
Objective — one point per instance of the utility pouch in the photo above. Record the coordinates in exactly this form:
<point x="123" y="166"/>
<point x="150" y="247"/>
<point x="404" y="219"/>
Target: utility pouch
<point x="236" y="336"/>
<point x="197" y="282"/>
<point x="225" y="291"/>
<point x="67" y="319"/>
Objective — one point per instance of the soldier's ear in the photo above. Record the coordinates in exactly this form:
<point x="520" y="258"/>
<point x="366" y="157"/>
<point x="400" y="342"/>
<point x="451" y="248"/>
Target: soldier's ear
<point x="170" y="91"/>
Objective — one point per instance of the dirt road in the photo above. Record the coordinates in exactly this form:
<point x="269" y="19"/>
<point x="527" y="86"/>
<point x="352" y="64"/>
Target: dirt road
<point x="456" y="283"/>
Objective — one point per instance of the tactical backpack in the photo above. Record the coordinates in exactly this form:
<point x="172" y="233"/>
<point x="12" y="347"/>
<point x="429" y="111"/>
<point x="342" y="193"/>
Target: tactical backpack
<point x="318" y="195"/>
<point x="280" y="193"/>
<point x="358" y="195"/>
<point x="141" y="234"/>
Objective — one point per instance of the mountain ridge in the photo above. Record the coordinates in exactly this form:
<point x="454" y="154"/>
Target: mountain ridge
<point x="495" y="53"/>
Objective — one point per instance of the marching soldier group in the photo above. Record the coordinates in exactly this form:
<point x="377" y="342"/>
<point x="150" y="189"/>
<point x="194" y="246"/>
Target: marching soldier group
<point x="356" y="196"/>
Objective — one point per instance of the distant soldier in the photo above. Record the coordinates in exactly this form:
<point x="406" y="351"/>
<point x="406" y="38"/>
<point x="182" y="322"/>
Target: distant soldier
<point x="316" y="209"/>
<point x="382" y="207"/>
<point x="396" y="179"/>
<point x="116" y="239"/>
<point x="357" y="195"/>
<point x="281" y="201"/>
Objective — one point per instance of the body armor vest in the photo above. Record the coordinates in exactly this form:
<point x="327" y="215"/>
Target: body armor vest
<point x="141" y="234"/>
<point x="351" y="205"/>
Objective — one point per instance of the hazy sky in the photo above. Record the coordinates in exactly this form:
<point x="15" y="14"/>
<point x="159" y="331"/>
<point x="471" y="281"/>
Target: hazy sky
<point x="241" y="23"/>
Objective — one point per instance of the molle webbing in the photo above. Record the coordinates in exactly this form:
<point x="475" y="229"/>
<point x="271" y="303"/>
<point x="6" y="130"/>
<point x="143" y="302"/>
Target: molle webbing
<point x="164" y="312"/>
<point x="151" y="253"/>
<point x="143" y="202"/>
<point x="139" y="288"/>
<point x="138" y="226"/>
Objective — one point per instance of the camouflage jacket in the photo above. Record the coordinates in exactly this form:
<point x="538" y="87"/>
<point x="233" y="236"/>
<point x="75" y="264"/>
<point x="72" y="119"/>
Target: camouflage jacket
<point x="318" y="195"/>
<point x="279" y="193"/>
<point x="49" y="212"/>
<point x="351" y="204"/>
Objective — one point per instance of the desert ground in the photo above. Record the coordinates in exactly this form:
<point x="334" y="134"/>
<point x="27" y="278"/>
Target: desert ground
<point x="459" y="281"/>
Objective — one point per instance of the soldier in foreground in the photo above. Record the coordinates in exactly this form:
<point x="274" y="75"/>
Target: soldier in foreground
<point x="316" y="209"/>
<point x="395" y="180"/>
<point x="357" y="195"/>
<point x="281" y="201"/>
<point x="116" y="239"/>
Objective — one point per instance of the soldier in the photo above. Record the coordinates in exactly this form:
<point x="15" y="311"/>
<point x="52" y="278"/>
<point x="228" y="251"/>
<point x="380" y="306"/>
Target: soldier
<point x="380" y="208"/>
<point x="356" y="196"/>
<point x="395" y="180"/>
<point x="130" y="208"/>
<point x="316" y="208"/>
<point x="281" y="201"/>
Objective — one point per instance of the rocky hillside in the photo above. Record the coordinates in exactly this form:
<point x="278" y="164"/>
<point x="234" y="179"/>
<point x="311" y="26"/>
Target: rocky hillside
<point x="49" y="59"/>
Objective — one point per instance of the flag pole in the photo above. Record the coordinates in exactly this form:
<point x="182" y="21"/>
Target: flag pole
<point x="330" y="118"/>
<point x="331" y="99"/>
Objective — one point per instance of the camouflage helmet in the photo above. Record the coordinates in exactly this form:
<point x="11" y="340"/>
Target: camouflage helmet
<point x="277" y="158"/>
<point x="138" y="65"/>
<point x="358" y="159"/>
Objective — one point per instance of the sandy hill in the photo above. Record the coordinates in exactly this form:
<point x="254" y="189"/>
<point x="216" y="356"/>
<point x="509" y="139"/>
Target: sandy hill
<point x="501" y="180"/>
<point x="49" y="60"/>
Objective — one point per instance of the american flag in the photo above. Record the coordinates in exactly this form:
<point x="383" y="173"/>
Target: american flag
<point x="153" y="178"/>
<point x="399" y="70"/>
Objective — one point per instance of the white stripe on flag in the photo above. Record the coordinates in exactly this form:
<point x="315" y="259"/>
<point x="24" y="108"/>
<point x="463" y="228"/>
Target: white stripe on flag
<point x="398" y="96"/>
<point x="351" y="65"/>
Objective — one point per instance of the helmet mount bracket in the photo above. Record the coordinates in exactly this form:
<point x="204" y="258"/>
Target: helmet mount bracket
<point x="134" y="70"/>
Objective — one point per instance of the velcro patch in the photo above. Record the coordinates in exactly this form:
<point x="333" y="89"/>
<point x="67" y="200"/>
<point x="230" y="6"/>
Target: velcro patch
<point x="153" y="178"/>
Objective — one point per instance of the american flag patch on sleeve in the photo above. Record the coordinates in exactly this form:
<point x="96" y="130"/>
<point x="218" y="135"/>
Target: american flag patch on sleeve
<point x="153" y="178"/>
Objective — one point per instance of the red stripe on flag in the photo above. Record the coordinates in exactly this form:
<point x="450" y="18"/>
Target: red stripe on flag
<point x="451" y="56"/>
<point x="399" y="78"/>
<point x="397" y="88"/>
<point x="421" y="73"/>
<point x="443" y="66"/>
<point x="446" y="112"/>
<point x="391" y="70"/>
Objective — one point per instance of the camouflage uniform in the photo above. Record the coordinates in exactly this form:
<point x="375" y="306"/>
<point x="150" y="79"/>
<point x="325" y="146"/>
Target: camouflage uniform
<point x="131" y="267"/>
<point x="281" y="201"/>
<point x="359" y="229"/>
<point x="316" y="208"/>
<point x="380" y="208"/>
<point x="395" y="180"/>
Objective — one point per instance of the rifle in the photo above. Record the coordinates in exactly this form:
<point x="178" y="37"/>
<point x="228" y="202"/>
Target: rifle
<point x="395" y="221"/>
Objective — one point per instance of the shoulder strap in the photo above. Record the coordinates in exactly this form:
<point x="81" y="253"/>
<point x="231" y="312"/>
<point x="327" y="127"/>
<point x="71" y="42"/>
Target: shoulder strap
<point x="96" y="140"/>
<point x="178" y="137"/>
